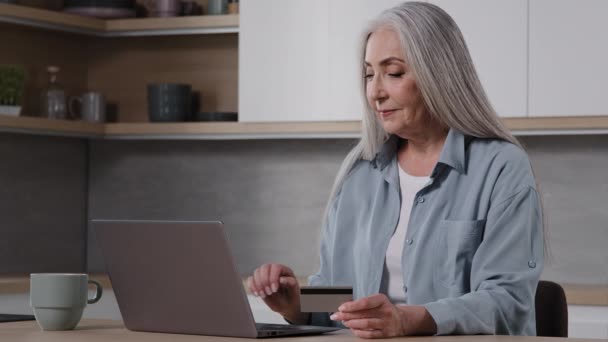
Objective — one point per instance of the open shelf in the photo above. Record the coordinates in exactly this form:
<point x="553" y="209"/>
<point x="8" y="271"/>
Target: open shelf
<point x="54" y="20"/>
<point x="274" y="130"/>
<point x="344" y="129"/>
<point x="203" y="24"/>
<point x="232" y="130"/>
<point x="42" y="126"/>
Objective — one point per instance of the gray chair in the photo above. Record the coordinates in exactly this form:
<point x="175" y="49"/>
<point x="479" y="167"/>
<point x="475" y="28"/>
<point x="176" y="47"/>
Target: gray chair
<point x="551" y="310"/>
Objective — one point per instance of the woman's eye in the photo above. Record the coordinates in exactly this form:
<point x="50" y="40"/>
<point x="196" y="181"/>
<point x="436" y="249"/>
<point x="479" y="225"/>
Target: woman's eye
<point x="398" y="74"/>
<point x="368" y="76"/>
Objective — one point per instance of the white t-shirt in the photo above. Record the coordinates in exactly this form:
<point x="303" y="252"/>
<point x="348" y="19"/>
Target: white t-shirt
<point x="409" y="185"/>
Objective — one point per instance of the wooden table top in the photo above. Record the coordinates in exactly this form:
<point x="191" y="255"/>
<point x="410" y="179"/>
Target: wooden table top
<point x="103" y="330"/>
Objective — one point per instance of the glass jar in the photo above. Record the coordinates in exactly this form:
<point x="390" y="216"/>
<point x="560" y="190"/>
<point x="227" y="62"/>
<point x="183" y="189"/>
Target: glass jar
<point x="53" y="97"/>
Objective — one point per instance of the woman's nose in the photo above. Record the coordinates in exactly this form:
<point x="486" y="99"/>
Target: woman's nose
<point x="376" y="89"/>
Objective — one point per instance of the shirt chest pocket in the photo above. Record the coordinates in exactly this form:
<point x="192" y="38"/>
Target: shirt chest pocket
<point x="456" y="245"/>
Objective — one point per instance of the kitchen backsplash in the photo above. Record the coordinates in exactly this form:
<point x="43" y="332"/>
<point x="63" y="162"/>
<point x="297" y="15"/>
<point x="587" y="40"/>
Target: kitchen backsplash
<point x="43" y="186"/>
<point x="269" y="193"/>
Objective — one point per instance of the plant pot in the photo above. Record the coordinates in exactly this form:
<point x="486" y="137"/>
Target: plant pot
<point x="10" y="110"/>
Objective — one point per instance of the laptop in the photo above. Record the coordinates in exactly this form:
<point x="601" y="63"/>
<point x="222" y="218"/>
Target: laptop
<point x="180" y="277"/>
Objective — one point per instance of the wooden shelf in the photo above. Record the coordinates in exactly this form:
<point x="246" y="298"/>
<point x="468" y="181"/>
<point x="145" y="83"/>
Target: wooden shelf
<point x="277" y="130"/>
<point x="53" y="20"/>
<point x="558" y="123"/>
<point x="29" y="16"/>
<point x="42" y="126"/>
<point x="232" y="130"/>
<point x="204" y="24"/>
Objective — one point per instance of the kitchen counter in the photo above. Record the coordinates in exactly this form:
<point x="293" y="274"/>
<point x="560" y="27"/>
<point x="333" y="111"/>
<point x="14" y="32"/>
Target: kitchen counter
<point x="575" y="294"/>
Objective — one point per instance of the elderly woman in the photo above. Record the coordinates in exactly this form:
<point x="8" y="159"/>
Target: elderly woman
<point x="434" y="218"/>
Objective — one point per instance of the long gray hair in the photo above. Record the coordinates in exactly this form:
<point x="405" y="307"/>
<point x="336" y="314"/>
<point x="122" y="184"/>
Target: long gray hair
<point x="437" y="54"/>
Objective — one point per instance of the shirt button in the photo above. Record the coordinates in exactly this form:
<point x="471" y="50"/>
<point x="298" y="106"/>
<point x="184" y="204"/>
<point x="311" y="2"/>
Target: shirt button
<point x="409" y="241"/>
<point x="531" y="264"/>
<point x="420" y="199"/>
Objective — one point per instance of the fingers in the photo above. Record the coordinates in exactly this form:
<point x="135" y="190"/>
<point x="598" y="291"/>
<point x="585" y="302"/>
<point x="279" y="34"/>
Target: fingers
<point x="265" y="279"/>
<point x="367" y="328"/>
<point x="274" y="275"/>
<point x="268" y="278"/>
<point x="368" y="333"/>
<point x="365" y="324"/>
<point x="288" y="281"/>
<point x="260" y="280"/>
<point x="366" y="303"/>
<point x="345" y="316"/>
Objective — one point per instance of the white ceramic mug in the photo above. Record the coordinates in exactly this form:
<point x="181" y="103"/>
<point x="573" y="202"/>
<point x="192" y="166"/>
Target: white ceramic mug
<point x="58" y="299"/>
<point x="92" y="107"/>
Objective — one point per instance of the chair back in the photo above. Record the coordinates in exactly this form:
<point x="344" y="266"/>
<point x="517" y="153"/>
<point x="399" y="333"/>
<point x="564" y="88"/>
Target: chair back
<point x="551" y="310"/>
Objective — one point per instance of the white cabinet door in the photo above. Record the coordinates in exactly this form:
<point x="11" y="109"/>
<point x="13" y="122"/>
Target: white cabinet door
<point x="347" y="20"/>
<point x="299" y="60"/>
<point x="568" y="57"/>
<point x="283" y="62"/>
<point x="496" y="34"/>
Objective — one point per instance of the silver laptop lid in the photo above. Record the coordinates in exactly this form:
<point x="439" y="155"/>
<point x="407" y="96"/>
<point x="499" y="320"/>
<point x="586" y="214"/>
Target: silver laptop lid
<point x="175" y="277"/>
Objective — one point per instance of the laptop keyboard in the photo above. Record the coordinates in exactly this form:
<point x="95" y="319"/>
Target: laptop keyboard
<point x="15" y="318"/>
<point x="282" y="327"/>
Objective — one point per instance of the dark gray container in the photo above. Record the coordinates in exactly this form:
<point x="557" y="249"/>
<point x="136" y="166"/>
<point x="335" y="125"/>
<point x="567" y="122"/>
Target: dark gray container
<point x="169" y="102"/>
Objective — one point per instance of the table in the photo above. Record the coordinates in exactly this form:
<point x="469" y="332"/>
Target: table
<point x="114" y="331"/>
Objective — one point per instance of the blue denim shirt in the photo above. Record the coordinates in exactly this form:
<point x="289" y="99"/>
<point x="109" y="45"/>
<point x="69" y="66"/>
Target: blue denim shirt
<point x="473" y="252"/>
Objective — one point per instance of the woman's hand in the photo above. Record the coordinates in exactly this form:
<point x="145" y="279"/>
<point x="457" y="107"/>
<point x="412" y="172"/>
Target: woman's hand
<point x="279" y="288"/>
<point x="377" y="317"/>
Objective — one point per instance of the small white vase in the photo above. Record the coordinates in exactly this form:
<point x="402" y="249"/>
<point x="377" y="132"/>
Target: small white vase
<point x="10" y="110"/>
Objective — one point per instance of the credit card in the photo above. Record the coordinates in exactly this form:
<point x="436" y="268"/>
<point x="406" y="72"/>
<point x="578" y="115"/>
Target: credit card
<point x="324" y="298"/>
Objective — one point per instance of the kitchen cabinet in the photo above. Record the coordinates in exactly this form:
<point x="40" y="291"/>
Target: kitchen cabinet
<point x="495" y="31"/>
<point x="299" y="60"/>
<point x="283" y="60"/>
<point x="119" y="58"/>
<point x="301" y="84"/>
<point x="348" y="20"/>
<point x="568" y="54"/>
<point x="496" y="34"/>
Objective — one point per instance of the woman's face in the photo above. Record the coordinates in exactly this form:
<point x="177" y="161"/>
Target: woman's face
<point x="390" y="85"/>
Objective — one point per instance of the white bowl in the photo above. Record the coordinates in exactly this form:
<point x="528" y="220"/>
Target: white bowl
<point x="10" y="110"/>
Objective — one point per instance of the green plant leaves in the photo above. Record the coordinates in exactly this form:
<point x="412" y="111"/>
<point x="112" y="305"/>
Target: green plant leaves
<point x="12" y="84"/>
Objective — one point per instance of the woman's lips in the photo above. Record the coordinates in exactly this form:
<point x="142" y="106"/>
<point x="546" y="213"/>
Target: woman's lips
<point x="386" y="113"/>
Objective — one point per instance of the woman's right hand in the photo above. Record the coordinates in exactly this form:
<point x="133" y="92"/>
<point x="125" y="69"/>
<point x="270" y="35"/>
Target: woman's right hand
<point x="278" y="287"/>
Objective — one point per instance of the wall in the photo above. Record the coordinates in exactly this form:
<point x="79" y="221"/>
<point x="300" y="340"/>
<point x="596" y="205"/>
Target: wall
<point x="271" y="194"/>
<point x="572" y="173"/>
<point x="43" y="185"/>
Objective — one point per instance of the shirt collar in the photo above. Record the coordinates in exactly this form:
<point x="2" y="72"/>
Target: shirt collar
<point x="453" y="152"/>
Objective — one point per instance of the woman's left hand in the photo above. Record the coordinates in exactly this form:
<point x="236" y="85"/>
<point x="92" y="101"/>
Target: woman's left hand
<point x="377" y="317"/>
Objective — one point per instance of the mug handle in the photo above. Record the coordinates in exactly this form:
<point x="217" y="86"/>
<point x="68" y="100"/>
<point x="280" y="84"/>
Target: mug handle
<point x="71" y="110"/>
<point x="98" y="292"/>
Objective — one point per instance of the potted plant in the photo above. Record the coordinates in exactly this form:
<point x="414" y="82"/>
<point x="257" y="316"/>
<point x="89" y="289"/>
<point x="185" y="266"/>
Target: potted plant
<point x="12" y="82"/>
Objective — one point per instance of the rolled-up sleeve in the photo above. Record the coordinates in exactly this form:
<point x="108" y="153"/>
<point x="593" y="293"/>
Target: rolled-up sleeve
<point x="505" y="271"/>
